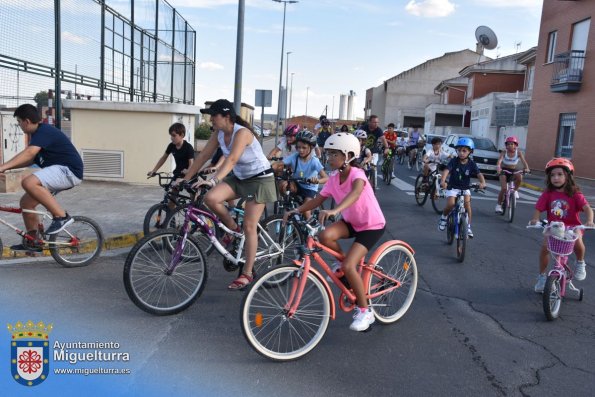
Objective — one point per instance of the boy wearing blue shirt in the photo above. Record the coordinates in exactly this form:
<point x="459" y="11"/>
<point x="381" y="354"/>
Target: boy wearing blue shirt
<point x="305" y="165"/>
<point x="61" y="169"/>
<point x="460" y="169"/>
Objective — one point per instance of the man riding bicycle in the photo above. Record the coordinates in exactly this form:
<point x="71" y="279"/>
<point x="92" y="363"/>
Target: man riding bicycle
<point x="411" y="150"/>
<point x="61" y="169"/>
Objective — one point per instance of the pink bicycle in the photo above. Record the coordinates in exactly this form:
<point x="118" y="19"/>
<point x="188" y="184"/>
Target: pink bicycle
<point x="560" y="244"/>
<point x="509" y="202"/>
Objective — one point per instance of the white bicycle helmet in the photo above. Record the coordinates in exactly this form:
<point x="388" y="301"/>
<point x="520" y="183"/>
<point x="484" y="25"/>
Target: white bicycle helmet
<point x="360" y="134"/>
<point x="345" y="143"/>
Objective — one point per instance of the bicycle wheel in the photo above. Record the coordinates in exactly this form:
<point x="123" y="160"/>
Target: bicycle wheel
<point x="155" y="218"/>
<point x="552" y="300"/>
<point x="397" y="262"/>
<point x="388" y="171"/>
<point x="418" y="162"/>
<point x="152" y="285"/>
<point x="450" y="229"/>
<point x="438" y="199"/>
<point x="373" y="178"/>
<point x="266" y="324"/>
<point x="287" y="237"/>
<point x="504" y="206"/>
<point x="421" y="193"/>
<point x="1" y="248"/>
<point x="175" y="220"/>
<point x="78" y="244"/>
<point x="511" y="208"/>
<point x="462" y="239"/>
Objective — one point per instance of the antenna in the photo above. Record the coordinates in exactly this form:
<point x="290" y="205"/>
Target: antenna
<point x="486" y="39"/>
<point x="517" y="44"/>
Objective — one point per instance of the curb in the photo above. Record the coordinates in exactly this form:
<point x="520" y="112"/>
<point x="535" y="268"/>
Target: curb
<point x="110" y="243"/>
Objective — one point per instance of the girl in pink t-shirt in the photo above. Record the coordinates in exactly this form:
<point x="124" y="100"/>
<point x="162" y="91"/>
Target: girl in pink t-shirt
<point x="562" y="201"/>
<point x="362" y="217"/>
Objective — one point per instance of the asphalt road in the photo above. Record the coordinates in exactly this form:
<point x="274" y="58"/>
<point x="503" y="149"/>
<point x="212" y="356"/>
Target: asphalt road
<point x="475" y="328"/>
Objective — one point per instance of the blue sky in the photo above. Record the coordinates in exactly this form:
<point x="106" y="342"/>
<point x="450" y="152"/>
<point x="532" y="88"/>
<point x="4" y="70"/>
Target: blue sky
<point x="344" y="45"/>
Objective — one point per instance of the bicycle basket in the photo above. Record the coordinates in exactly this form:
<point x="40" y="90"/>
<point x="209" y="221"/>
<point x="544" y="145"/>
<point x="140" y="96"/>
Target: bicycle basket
<point x="560" y="246"/>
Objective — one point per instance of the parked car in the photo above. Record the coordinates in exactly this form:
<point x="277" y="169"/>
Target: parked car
<point x="428" y="146"/>
<point x="485" y="154"/>
<point x="257" y="129"/>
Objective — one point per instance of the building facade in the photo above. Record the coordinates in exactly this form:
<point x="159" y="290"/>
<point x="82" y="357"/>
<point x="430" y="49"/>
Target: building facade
<point x="402" y="99"/>
<point x="562" y="117"/>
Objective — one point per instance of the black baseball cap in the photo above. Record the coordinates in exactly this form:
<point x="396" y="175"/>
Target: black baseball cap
<point x="220" y="106"/>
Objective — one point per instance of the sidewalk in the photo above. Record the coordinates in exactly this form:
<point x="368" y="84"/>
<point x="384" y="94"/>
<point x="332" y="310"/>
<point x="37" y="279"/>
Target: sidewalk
<point x="537" y="182"/>
<point x="119" y="208"/>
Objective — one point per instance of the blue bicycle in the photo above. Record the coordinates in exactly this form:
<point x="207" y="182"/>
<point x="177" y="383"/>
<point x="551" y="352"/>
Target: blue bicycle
<point x="457" y="223"/>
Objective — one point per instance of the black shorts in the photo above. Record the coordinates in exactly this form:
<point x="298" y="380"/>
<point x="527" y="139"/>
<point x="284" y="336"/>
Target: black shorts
<point x="409" y="148"/>
<point x="367" y="238"/>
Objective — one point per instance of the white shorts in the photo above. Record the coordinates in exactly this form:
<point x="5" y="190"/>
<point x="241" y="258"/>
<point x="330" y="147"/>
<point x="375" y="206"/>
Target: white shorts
<point x="455" y="192"/>
<point x="374" y="159"/>
<point x="56" y="178"/>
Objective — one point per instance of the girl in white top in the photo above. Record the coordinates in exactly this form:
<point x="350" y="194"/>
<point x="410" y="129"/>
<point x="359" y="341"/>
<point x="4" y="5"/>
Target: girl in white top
<point x="435" y="156"/>
<point x="509" y="160"/>
<point x="252" y="178"/>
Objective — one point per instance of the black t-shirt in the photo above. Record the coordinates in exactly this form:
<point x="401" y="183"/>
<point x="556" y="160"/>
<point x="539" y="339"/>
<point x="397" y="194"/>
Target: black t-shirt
<point x="183" y="155"/>
<point x="373" y="143"/>
<point x="460" y="174"/>
<point x="56" y="149"/>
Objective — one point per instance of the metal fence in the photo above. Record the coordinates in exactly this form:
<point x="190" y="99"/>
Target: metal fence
<point x="116" y="50"/>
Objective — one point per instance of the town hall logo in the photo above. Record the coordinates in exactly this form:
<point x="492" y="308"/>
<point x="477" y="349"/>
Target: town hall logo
<point x="29" y="352"/>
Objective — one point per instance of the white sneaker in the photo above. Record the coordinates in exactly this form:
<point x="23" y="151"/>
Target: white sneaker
<point x="392" y="175"/>
<point x="540" y="283"/>
<point x="469" y="232"/>
<point x="362" y="321"/>
<point x="442" y="223"/>
<point x="335" y="268"/>
<point x="580" y="271"/>
<point x="516" y="195"/>
<point x="498" y="208"/>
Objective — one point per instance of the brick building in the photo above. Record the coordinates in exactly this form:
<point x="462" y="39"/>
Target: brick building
<point x="562" y="119"/>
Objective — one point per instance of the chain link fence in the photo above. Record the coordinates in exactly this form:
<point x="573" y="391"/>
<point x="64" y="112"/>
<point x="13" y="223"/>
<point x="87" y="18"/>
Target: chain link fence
<point x="113" y="50"/>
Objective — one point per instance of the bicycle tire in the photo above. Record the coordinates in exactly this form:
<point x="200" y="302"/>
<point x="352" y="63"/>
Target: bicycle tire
<point x="373" y="179"/>
<point x="87" y="237"/>
<point x="511" y="208"/>
<point x="462" y="239"/>
<point x="286" y="235"/>
<point x="155" y="218"/>
<point x="398" y="262"/>
<point x="552" y="299"/>
<point x="146" y="282"/>
<point x="265" y="324"/>
<point x="175" y="220"/>
<point x="1" y="248"/>
<point x="438" y="200"/>
<point x="450" y="229"/>
<point x="418" y="162"/>
<point x="420" y="197"/>
<point x="388" y="171"/>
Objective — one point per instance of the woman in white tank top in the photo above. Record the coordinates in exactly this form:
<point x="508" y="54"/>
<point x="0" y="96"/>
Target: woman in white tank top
<point x="252" y="178"/>
<point x="509" y="160"/>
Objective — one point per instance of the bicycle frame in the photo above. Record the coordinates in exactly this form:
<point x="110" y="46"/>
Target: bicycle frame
<point x="366" y="270"/>
<point x="196" y="216"/>
<point x="560" y="270"/>
<point x="23" y="233"/>
<point x="509" y="185"/>
<point x="458" y="211"/>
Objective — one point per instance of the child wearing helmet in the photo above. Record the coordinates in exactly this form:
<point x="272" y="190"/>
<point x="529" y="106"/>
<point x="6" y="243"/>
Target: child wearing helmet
<point x="562" y="200"/>
<point x="304" y="165"/>
<point x="362" y="217"/>
<point x="286" y="144"/>
<point x="509" y="160"/>
<point x="365" y="154"/>
<point x="460" y="169"/>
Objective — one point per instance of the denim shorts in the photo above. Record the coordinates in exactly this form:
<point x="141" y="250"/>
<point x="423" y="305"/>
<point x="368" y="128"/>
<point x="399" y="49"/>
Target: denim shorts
<point x="56" y="178"/>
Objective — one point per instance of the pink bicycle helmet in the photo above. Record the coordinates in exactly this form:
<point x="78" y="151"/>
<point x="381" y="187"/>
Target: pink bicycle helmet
<point x="559" y="162"/>
<point x="512" y="139"/>
<point x="292" y="130"/>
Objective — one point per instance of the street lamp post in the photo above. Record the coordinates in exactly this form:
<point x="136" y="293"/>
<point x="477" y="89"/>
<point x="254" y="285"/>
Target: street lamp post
<point x="290" y="93"/>
<point x="281" y="68"/>
<point x="307" y="91"/>
<point x="287" y="86"/>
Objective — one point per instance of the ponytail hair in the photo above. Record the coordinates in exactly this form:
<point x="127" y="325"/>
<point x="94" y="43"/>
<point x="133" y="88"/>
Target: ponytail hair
<point x="238" y="120"/>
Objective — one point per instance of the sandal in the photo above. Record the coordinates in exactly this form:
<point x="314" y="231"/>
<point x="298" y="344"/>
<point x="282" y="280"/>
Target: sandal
<point x="241" y="282"/>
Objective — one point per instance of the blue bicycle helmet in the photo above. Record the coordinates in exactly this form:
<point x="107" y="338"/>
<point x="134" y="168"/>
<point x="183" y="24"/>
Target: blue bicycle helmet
<point x="468" y="142"/>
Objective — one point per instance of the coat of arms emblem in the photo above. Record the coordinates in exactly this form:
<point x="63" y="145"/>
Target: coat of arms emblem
<point x="29" y="352"/>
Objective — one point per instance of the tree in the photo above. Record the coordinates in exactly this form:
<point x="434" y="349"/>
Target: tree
<point x="41" y="98"/>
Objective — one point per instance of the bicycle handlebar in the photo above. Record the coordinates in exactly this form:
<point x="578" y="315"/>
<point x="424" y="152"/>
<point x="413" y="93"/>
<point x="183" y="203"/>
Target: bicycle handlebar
<point x="276" y="158"/>
<point x="503" y="171"/>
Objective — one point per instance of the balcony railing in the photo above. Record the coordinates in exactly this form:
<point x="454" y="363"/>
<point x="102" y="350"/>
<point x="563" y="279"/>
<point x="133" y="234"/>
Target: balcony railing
<point x="568" y="71"/>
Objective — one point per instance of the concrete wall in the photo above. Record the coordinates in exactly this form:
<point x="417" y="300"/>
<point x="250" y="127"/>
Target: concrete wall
<point x="547" y="106"/>
<point x="139" y="130"/>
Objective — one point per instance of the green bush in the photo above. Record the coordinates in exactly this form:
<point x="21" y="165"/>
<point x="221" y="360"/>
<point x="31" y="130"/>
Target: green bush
<point x="203" y="131"/>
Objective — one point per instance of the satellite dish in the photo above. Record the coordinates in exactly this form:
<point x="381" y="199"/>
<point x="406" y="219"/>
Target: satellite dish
<point x="486" y="37"/>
